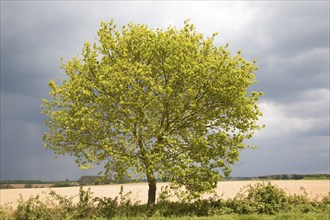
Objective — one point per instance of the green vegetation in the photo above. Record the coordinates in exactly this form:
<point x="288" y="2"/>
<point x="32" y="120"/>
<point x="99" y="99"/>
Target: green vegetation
<point x="28" y="186"/>
<point x="63" y="184"/>
<point x="259" y="201"/>
<point x="22" y="182"/>
<point x="154" y="103"/>
<point x="6" y="186"/>
<point x="284" y="177"/>
<point x="93" y="180"/>
<point x="317" y="176"/>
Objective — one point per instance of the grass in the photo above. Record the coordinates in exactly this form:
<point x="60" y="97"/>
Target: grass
<point x="285" y="216"/>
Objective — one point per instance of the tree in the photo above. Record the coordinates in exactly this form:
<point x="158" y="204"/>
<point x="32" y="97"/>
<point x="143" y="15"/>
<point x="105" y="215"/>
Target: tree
<point x="154" y="103"/>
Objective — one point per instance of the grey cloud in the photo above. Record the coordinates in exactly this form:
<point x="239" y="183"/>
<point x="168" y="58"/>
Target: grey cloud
<point x="312" y="103"/>
<point x="290" y="43"/>
<point x="285" y="155"/>
<point x="286" y="79"/>
<point x="20" y="108"/>
<point x="23" y="156"/>
<point x="33" y="41"/>
<point x="286" y="29"/>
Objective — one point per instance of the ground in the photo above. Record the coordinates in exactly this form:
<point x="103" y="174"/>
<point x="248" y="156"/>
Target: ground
<point x="226" y="189"/>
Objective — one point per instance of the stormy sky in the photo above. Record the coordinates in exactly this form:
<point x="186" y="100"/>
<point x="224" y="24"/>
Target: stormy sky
<point x="290" y="41"/>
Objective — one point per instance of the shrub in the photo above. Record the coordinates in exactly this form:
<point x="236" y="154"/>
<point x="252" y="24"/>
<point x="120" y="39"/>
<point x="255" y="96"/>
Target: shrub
<point x="28" y="186"/>
<point x="6" y="212"/>
<point x="32" y="209"/>
<point x="260" y="198"/>
<point x="62" y="206"/>
<point x="106" y="207"/>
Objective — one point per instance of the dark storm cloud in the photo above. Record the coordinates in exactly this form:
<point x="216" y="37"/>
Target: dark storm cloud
<point x="284" y="79"/>
<point x="33" y="39"/>
<point x="290" y="41"/>
<point x="287" y="155"/>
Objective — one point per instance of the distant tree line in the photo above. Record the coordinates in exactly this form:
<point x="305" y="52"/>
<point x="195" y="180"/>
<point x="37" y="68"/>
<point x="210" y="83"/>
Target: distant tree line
<point x="283" y="177"/>
<point x="95" y="180"/>
<point x="22" y="182"/>
<point x="101" y="180"/>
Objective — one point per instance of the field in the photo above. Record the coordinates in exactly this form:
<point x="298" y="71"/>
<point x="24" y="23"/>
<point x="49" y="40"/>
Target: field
<point x="35" y="185"/>
<point x="276" y="199"/>
<point x="226" y="189"/>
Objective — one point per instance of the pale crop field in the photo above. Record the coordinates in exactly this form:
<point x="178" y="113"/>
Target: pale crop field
<point x="226" y="189"/>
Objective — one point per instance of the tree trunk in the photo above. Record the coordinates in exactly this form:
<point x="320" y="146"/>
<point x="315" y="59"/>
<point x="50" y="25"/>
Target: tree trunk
<point x="151" y="192"/>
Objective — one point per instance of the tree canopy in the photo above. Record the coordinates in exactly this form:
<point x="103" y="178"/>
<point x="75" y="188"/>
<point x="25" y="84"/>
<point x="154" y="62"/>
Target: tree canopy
<point x="154" y="103"/>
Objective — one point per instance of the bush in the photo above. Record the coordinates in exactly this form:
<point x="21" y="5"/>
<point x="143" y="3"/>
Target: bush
<point x="62" y="206"/>
<point x="6" y="212"/>
<point x="32" y="209"/>
<point x="28" y="186"/>
<point x="106" y="207"/>
<point x="85" y="205"/>
<point x="260" y="198"/>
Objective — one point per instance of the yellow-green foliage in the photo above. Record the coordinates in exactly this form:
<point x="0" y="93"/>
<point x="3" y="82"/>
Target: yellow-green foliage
<point x="154" y="102"/>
